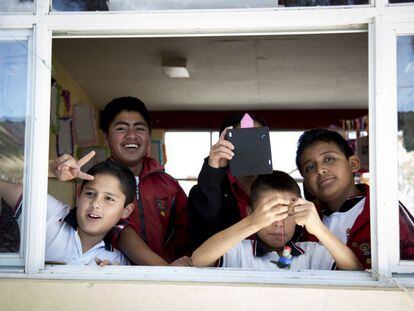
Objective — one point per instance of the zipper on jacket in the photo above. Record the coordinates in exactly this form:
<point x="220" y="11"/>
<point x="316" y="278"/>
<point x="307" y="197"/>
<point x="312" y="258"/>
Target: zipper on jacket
<point x="141" y="216"/>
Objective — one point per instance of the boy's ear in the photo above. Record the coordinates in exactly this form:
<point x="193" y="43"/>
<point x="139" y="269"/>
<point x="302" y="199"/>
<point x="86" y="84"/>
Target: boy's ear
<point x="354" y="163"/>
<point x="128" y="210"/>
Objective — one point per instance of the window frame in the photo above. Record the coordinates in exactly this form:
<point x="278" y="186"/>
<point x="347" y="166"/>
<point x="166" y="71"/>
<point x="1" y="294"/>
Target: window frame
<point x="18" y="259"/>
<point x="387" y="182"/>
<point x="379" y="18"/>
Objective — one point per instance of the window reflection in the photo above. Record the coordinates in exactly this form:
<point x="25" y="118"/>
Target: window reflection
<point x="16" y="6"/>
<point x="405" y="88"/>
<point x="13" y="89"/>
<point x="131" y="5"/>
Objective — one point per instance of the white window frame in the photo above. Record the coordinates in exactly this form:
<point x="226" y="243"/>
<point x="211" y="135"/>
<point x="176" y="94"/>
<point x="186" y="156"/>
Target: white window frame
<point x="380" y="18"/>
<point x="386" y="146"/>
<point x="18" y="259"/>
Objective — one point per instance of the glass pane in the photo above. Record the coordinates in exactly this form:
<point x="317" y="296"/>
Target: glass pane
<point x="400" y="1"/>
<point x="16" y="6"/>
<point x="185" y="153"/>
<point x="138" y="5"/>
<point x="405" y="88"/>
<point x="284" y="160"/>
<point x="187" y="185"/>
<point x="13" y="98"/>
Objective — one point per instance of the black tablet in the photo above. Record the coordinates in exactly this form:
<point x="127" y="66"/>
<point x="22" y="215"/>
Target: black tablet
<point x="252" y="153"/>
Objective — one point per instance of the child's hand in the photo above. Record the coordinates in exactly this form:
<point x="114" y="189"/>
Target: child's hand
<point x="305" y="214"/>
<point x="105" y="262"/>
<point x="268" y="210"/>
<point x="184" y="261"/>
<point x="221" y="152"/>
<point x="66" y="167"/>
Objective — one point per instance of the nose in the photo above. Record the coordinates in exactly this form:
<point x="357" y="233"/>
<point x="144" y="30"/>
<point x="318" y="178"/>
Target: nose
<point x="96" y="203"/>
<point x="131" y="132"/>
<point x="320" y="170"/>
<point x="278" y="224"/>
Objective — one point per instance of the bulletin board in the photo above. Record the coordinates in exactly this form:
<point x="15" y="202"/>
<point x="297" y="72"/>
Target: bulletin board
<point x="101" y="154"/>
<point x="64" y="141"/>
<point x="84" y="125"/>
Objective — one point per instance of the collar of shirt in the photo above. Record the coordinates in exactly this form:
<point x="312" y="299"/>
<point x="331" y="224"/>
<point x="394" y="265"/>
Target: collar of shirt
<point x="71" y="219"/>
<point x="241" y="196"/>
<point x="79" y="244"/>
<point x="260" y="248"/>
<point x="348" y="204"/>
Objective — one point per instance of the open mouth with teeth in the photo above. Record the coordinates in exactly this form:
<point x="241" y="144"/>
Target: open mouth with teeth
<point x="131" y="146"/>
<point x="94" y="216"/>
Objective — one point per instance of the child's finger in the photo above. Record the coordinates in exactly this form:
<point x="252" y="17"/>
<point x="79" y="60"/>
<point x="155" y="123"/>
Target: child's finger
<point x="222" y="149"/>
<point x="225" y="144"/>
<point x="275" y="199"/>
<point x="86" y="158"/>
<point x="103" y="263"/>
<point x="85" y="176"/>
<point x="279" y="216"/>
<point x="223" y="134"/>
<point x="280" y="208"/>
<point x="63" y="159"/>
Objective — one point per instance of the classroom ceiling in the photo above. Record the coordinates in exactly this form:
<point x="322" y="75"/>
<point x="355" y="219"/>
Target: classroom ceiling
<point x="328" y="71"/>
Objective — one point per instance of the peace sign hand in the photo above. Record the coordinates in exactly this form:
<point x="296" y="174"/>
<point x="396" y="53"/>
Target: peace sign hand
<point x="66" y="167"/>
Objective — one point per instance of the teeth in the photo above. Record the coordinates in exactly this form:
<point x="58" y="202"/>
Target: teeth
<point x="94" y="216"/>
<point x="131" y="146"/>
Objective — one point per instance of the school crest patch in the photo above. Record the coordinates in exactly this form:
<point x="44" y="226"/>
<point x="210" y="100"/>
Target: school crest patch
<point x="161" y="205"/>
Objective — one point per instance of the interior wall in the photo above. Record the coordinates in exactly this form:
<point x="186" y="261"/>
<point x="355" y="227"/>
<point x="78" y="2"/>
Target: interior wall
<point x="64" y="191"/>
<point x="45" y="295"/>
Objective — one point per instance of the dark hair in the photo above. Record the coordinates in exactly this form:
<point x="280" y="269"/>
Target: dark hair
<point x="115" y="106"/>
<point x="123" y="174"/>
<point x="235" y="120"/>
<point x="277" y="180"/>
<point x="308" y="138"/>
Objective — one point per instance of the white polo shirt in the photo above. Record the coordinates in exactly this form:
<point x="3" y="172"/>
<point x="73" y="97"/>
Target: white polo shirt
<point x="340" y="223"/>
<point x="243" y="255"/>
<point x="64" y="245"/>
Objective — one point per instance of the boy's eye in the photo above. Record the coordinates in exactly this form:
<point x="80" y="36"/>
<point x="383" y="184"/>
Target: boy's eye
<point x="120" y="129"/>
<point x="140" y="129"/>
<point x="329" y="159"/>
<point x="109" y="199"/>
<point x="89" y="194"/>
<point x="309" y="168"/>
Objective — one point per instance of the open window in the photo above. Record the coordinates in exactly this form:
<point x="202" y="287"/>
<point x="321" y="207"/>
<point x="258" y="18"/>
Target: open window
<point x="295" y="82"/>
<point x="321" y="58"/>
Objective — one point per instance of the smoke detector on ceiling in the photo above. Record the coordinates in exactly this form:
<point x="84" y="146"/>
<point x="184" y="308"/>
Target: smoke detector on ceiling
<point x="175" y="68"/>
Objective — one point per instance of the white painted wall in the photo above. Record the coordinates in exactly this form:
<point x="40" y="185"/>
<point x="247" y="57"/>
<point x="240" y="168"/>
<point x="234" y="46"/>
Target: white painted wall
<point x="59" y="295"/>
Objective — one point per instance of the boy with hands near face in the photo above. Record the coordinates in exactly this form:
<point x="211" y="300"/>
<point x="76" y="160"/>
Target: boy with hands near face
<point x="277" y="209"/>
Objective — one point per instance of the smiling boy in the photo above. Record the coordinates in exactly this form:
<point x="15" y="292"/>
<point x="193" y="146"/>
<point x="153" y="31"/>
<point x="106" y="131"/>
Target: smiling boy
<point x="156" y="233"/>
<point x="277" y="209"/>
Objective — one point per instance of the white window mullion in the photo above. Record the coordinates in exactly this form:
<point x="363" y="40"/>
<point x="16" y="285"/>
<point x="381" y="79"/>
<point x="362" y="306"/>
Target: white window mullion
<point x="35" y="198"/>
<point x="42" y="7"/>
<point x="384" y="164"/>
<point x="404" y="26"/>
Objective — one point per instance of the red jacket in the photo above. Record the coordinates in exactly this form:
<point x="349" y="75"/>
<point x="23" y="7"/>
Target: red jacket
<point x="359" y="237"/>
<point x="160" y="213"/>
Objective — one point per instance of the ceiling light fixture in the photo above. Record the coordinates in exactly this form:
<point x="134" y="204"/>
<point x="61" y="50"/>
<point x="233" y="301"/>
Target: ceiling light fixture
<point x="175" y="68"/>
